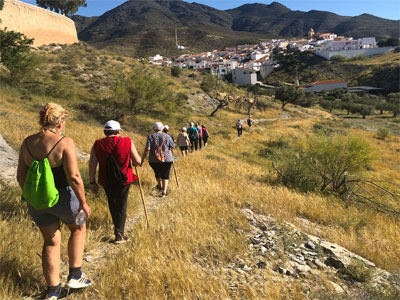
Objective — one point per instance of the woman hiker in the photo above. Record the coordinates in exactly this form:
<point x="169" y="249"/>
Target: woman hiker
<point x="159" y="146"/>
<point x="183" y="142"/>
<point x="61" y="153"/>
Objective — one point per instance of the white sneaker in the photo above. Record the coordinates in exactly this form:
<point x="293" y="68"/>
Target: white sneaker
<point x="78" y="283"/>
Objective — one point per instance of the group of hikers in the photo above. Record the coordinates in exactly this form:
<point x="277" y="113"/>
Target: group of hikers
<point x="53" y="188"/>
<point x="239" y="125"/>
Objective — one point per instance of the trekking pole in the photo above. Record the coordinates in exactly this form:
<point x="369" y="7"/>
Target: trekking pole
<point x="142" y="195"/>
<point x="176" y="176"/>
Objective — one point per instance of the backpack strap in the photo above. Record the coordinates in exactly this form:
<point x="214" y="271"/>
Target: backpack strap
<point x="53" y="147"/>
<point x="26" y="144"/>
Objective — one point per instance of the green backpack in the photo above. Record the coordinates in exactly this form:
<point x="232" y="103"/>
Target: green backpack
<point x="39" y="188"/>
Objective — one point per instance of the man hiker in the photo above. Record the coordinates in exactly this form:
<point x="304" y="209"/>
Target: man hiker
<point x="199" y="133"/>
<point x="114" y="155"/>
<point x="193" y="136"/>
<point x="239" y="127"/>
<point x="249" y="122"/>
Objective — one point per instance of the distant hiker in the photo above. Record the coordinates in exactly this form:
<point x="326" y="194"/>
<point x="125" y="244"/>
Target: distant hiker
<point x="62" y="200"/>
<point x="159" y="145"/>
<point x="114" y="155"/>
<point x="183" y="142"/>
<point x="193" y="136"/>
<point x="239" y="127"/>
<point x="249" y="122"/>
<point x="166" y="130"/>
<point x="205" y="134"/>
<point x="199" y="134"/>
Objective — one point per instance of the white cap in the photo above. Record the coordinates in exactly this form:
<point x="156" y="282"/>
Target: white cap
<point x="166" y="127"/>
<point x="112" y="125"/>
<point x="158" y="126"/>
<point x="183" y="128"/>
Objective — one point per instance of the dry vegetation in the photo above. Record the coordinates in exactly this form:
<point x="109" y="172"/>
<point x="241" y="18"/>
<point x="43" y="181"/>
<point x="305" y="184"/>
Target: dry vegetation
<point x="199" y="229"/>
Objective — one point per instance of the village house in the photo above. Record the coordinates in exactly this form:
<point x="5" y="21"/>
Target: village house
<point x="324" y="85"/>
<point x="244" y="76"/>
<point x="156" y="60"/>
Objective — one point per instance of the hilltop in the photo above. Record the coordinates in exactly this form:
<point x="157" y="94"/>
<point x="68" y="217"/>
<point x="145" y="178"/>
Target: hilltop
<point x="232" y="230"/>
<point x="142" y="28"/>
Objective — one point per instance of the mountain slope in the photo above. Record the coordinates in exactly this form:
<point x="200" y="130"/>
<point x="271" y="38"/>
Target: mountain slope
<point x="146" y="27"/>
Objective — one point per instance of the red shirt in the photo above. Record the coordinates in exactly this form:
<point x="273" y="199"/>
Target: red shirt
<point x="122" y="154"/>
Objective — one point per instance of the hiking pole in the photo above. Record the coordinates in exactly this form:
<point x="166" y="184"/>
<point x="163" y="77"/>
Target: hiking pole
<point x="142" y="195"/>
<point x="176" y="176"/>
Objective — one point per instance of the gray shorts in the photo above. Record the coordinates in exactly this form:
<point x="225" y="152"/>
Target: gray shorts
<point x="65" y="210"/>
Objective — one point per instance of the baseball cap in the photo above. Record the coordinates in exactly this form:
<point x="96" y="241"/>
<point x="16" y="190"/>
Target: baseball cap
<point x="158" y="126"/>
<point x="166" y="127"/>
<point x="112" y="125"/>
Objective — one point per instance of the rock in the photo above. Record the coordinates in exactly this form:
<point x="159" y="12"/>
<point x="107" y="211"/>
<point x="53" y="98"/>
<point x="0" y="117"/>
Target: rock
<point x="335" y="262"/>
<point x="88" y="258"/>
<point x="319" y="263"/>
<point x="261" y="265"/>
<point x="310" y="245"/>
<point x="246" y="268"/>
<point x="303" y="269"/>
<point x="337" y="288"/>
<point x="8" y="163"/>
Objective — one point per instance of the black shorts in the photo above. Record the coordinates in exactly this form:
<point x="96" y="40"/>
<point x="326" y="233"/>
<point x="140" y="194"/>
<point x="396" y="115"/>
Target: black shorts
<point x="183" y="148"/>
<point x="161" y="170"/>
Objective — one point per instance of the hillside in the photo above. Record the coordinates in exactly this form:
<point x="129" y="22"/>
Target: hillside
<point x="231" y="230"/>
<point x="148" y="27"/>
<point x="380" y="71"/>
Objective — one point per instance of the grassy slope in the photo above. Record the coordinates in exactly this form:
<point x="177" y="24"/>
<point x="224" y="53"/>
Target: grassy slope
<point x="200" y="228"/>
<point x="377" y="71"/>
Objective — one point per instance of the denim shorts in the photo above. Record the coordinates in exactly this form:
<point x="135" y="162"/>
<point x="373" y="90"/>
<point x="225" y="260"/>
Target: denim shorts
<point x="65" y="210"/>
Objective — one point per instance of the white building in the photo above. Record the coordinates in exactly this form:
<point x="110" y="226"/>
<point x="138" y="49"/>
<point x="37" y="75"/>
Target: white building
<point x="156" y="60"/>
<point x="350" y="44"/>
<point x="244" y="76"/>
<point x="325" y="85"/>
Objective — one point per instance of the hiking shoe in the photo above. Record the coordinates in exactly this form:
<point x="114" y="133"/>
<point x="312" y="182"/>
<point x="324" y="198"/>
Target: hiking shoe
<point x="78" y="283"/>
<point x="158" y="187"/>
<point x="163" y="195"/>
<point x="120" y="238"/>
<point x="55" y="295"/>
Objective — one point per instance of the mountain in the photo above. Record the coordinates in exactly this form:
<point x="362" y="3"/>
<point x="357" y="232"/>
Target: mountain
<point x="145" y="27"/>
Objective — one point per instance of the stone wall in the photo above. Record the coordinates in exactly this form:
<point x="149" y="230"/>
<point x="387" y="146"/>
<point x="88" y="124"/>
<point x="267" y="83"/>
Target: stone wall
<point x="44" y="26"/>
<point x="354" y="53"/>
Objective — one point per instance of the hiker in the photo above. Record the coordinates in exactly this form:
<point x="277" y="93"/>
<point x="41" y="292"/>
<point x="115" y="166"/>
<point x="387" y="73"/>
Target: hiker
<point x="239" y="127"/>
<point x="49" y="145"/>
<point x="115" y="177"/>
<point x="159" y="146"/>
<point x="249" y="122"/>
<point x="205" y="135"/>
<point x="166" y="130"/>
<point x="199" y="133"/>
<point x="193" y="136"/>
<point x="183" y="142"/>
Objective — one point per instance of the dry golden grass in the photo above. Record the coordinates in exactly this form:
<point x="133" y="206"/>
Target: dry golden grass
<point x="199" y="228"/>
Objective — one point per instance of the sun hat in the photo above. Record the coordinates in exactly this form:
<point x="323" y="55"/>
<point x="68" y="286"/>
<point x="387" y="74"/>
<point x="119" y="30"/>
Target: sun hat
<point x="112" y="125"/>
<point x="183" y="128"/>
<point x="166" y="127"/>
<point x="158" y="126"/>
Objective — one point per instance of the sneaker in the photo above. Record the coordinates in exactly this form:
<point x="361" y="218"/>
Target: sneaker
<point x="163" y="195"/>
<point x="78" y="283"/>
<point x="120" y="238"/>
<point x="56" y="295"/>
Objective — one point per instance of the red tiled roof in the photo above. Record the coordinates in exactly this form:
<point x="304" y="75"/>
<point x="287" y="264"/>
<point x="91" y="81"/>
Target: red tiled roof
<point x="327" y="82"/>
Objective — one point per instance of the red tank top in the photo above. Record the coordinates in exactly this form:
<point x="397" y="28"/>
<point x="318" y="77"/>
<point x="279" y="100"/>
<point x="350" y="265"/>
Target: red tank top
<point x="103" y="149"/>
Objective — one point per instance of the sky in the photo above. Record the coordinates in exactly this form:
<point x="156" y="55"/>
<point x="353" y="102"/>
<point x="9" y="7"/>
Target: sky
<point x="388" y="9"/>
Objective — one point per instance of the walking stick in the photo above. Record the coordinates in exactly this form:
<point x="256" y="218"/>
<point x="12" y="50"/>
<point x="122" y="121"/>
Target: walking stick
<point x="142" y="195"/>
<point x="176" y="176"/>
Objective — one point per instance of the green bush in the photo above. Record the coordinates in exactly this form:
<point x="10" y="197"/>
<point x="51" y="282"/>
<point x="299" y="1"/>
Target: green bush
<point x="175" y="71"/>
<point x="338" y="58"/>
<point x="383" y="133"/>
<point x="322" y="162"/>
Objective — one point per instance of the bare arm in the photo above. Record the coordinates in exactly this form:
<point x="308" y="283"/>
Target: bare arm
<point x="70" y="163"/>
<point x="22" y="169"/>
<point x="135" y="157"/>
<point x="93" y="162"/>
<point x="145" y="152"/>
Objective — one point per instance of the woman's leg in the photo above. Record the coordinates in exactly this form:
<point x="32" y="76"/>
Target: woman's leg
<point x="164" y="186"/>
<point x="76" y="245"/>
<point x="51" y="253"/>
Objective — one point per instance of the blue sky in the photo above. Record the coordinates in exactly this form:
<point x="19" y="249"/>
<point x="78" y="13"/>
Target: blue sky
<point x="389" y="9"/>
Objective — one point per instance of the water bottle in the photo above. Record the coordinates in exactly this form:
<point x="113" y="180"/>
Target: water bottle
<point x="80" y="217"/>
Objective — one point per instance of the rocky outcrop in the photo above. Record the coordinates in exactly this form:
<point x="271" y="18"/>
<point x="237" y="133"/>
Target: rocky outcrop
<point x="8" y="163"/>
<point x="318" y="266"/>
<point x="44" y="26"/>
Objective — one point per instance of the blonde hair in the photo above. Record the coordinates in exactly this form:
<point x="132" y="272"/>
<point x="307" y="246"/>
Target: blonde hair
<point x="52" y="115"/>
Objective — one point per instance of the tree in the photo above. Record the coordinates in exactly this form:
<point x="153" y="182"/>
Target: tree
<point x="65" y="7"/>
<point x="393" y="103"/>
<point x="390" y="42"/>
<point x="15" y="54"/>
<point x="288" y="94"/>
<point x="255" y="101"/>
<point x="175" y="71"/>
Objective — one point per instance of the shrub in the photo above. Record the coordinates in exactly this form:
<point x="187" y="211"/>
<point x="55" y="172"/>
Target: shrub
<point x="175" y="71"/>
<point x="322" y="162"/>
<point x="383" y="133"/>
<point x="338" y="58"/>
